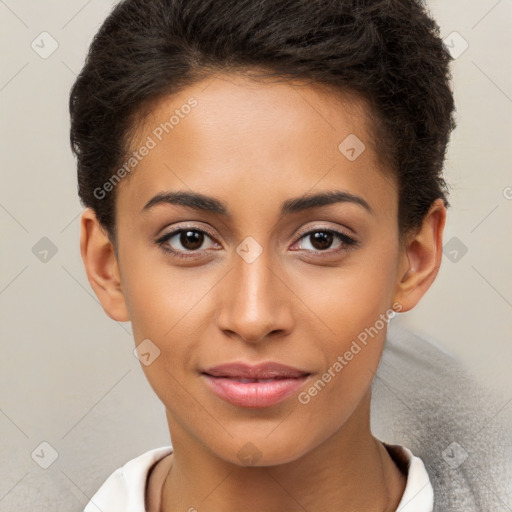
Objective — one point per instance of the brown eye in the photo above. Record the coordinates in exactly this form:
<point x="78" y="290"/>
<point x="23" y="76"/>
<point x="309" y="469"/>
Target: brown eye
<point x="321" y="240"/>
<point x="191" y="240"/>
<point x="186" y="240"/>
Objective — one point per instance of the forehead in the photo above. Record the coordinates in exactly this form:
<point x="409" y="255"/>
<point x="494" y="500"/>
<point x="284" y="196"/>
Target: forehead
<point x="275" y="136"/>
<point x="232" y="101"/>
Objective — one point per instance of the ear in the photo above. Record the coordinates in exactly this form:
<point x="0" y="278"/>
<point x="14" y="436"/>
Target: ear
<point x="101" y="266"/>
<point x="421" y="258"/>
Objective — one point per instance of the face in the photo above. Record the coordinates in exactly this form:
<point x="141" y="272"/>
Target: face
<point x="254" y="270"/>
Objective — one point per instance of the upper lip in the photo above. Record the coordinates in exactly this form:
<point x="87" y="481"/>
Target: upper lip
<point x="260" y="371"/>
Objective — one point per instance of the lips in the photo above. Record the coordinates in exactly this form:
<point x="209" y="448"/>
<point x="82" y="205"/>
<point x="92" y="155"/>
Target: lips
<point x="257" y="386"/>
<point x="264" y="371"/>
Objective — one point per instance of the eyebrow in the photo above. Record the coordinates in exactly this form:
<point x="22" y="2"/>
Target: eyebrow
<point x="210" y="204"/>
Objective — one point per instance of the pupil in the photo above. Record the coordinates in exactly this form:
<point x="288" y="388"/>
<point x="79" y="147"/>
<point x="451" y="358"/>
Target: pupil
<point x="191" y="240"/>
<point x="321" y="240"/>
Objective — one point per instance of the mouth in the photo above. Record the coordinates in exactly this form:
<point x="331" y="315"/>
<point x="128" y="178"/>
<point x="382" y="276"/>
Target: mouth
<point x="257" y="386"/>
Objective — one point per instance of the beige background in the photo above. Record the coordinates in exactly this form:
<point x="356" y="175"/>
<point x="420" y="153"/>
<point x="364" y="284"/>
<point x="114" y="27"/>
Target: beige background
<point x="65" y="366"/>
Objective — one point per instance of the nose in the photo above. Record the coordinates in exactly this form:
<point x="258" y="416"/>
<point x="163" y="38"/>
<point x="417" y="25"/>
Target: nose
<point x="255" y="303"/>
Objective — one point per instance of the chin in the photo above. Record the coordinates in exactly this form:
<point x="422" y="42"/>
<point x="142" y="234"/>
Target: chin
<point x="262" y="451"/>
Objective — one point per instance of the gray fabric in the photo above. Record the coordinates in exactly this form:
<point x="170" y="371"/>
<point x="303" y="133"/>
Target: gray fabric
<point x="424" y="399"/>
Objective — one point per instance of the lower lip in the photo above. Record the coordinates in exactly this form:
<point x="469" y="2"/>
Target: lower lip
<point x="254" y="394"/>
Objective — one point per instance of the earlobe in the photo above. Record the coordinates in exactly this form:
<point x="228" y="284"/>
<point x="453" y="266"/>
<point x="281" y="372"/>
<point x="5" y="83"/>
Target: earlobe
<point x="102" y="267"/>
<point x="421" y="258"/>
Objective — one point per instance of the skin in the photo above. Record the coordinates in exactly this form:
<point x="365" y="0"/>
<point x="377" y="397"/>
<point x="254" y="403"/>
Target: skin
<point x="253" y="145"/>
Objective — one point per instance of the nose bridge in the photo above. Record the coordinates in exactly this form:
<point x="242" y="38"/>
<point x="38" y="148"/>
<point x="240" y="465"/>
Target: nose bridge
<point x="254" y="302"/>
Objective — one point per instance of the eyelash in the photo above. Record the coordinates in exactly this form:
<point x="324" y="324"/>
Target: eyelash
<point x="347" y="241"/>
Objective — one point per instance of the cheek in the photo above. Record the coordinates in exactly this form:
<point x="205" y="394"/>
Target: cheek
<point x="359" y="320"/>
<point x="160" y="296"/>
<point x="163" y="307"/>
<point x="167" y="306"/>
<point x="352" y="297"/>
<point x="354" y="305"/>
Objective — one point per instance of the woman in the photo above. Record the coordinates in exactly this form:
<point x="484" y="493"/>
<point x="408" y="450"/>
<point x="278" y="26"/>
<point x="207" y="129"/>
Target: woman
<point x="264" y="191"/>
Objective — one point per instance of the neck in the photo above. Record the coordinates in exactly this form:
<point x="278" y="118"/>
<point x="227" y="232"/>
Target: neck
<point x="350" y="468"/>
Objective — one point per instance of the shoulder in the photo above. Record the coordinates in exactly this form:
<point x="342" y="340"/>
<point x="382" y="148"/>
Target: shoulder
<point x="425" y="399"/>
<point x="125" y="488"/>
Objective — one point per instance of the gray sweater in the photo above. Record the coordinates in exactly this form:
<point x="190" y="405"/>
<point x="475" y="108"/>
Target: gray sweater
<point x="424" y="399"/>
